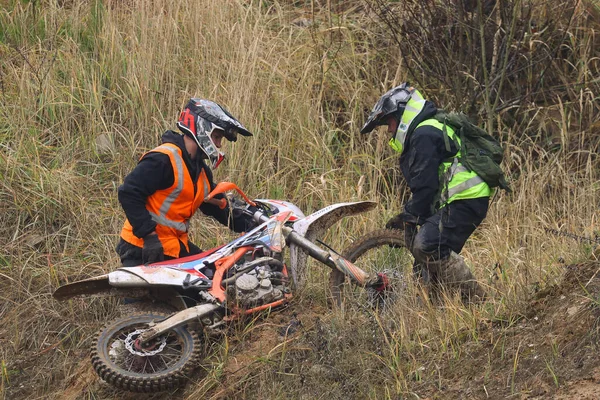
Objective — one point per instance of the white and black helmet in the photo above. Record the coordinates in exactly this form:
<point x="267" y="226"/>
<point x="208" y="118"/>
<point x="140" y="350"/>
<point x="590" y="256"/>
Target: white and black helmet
<point x="201" y="117"/>
<point x="392" y="102"/>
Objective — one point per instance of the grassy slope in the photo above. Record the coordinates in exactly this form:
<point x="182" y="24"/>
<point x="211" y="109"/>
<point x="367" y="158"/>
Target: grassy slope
<point x="86" y="87"/>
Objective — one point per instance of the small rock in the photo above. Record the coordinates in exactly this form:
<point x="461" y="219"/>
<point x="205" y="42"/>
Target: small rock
<point x="423" y="333"/>
<point x="104" y="144"/>
<point x="34" y="240"/>
<point x="572" y="311"/>
<point x="302" y="22"/>
<point x="319" y="370"/>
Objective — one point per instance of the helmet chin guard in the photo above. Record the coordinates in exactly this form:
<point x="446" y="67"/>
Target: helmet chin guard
<point x="200" y="118"/>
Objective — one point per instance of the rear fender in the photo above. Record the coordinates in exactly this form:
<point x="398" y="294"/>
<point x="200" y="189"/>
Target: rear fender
<point x="315" y="225"/>
<point x="145" y="276"/>
<point x="89" y="286"/>
<point x="149" y="275"/>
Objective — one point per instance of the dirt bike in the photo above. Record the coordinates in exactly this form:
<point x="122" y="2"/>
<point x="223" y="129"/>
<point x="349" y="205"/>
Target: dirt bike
<point x="154" y="351"/>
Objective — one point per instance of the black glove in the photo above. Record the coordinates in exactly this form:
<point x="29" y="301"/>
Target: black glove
<point x="410" y="228"/>
<point x="396" y="222"/>
<point x="241" y="221"/>
<point x="250" y="223"/>
<point x="153" y="250"/>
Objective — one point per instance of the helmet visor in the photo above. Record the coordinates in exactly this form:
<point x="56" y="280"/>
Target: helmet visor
<point x="219" y="116"/>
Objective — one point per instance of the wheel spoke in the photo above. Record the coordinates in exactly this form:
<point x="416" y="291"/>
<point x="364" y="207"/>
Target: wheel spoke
<point x="151" y="365"/>
<point x="379" y="251"/>
<point x="132" y="361"/>
<point x="162" y="358"/>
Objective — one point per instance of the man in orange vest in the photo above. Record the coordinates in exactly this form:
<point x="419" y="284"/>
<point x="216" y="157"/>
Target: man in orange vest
<point x="170" y="183"/>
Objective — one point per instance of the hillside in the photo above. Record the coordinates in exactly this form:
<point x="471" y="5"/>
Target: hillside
<point x="86" y="87"/>
<point x="548" y="352"/>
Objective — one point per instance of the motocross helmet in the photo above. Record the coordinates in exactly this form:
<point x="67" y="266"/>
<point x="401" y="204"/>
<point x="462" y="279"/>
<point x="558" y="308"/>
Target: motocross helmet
<point x="200" y="118"/>
<point x="392" y="102"/>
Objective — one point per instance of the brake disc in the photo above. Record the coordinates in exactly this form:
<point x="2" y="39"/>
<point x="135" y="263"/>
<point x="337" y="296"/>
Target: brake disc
<point x="131" y="339"/>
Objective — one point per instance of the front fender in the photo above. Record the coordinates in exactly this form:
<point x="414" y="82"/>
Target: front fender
<point x="315" y="225"/>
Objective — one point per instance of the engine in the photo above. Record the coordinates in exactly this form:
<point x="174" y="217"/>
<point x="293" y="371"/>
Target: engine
<point x="259" y="286"/>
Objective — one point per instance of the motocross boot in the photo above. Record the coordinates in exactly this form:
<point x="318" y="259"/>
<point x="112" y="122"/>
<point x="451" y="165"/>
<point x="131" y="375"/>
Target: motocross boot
<point x="453" y="273"/>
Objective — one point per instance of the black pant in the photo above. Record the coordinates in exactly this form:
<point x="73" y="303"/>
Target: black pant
<point x="131" y="255"/>
<point x="448" y="229"/>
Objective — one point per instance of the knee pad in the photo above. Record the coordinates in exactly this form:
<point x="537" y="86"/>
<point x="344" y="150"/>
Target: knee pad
<point x="423" y="252"/>
<point x="427" y="250"/>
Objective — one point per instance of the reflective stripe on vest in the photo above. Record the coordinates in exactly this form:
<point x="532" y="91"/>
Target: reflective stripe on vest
<point x="458" y="182"/>
<point x="455" y="188"/>
<point x="166" y="205"/>
<point x="413" y="107"/>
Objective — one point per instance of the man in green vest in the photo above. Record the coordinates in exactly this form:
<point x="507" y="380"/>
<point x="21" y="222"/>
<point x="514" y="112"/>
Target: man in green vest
<point x="448" y="201"/>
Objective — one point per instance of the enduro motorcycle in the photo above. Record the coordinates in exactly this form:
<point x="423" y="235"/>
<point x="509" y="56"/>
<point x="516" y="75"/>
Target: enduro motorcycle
<point x="151" y="350"/>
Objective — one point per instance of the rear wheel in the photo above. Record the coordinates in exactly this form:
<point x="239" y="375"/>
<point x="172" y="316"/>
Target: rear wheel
<point x="378" y="251"/>
<point x="121" y="360"/>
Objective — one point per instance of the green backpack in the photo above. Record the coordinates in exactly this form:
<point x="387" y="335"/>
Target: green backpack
<point x="480" y="152"/>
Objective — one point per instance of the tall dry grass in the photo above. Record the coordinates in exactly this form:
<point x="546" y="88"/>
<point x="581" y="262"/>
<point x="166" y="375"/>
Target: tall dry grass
<point x="87" y="87"/>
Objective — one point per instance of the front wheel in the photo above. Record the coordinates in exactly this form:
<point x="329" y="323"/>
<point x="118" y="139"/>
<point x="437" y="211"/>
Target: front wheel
<point x="121" y="360"/>
<point x="379" y="251"/>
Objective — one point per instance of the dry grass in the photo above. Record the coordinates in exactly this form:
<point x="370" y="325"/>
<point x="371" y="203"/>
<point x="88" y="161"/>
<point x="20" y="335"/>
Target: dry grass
<point x="87" y="87"/>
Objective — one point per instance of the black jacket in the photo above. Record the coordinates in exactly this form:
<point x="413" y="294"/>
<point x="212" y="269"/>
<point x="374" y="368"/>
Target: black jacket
<point x="154" y="172"/>
<point x="424" y="152"/>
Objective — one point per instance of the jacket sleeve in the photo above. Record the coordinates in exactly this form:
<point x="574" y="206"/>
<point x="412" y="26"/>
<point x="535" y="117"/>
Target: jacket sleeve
<point x="153" y="172"/>
<point x="425" y="154"/>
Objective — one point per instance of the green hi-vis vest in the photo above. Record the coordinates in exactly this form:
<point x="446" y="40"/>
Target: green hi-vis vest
<point x="456" y="181"/>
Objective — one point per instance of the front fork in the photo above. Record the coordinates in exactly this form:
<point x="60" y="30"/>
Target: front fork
<point x="178" y="319"/>
<point x="336" y="261"/>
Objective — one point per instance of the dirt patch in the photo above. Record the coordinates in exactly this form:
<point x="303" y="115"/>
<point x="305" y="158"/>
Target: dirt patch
<point x="79" y="381"/>
<point x="260" y="342"/>
<point x="551" y="352"/>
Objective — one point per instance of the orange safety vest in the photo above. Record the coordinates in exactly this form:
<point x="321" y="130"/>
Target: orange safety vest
<point x="173" y="207"/>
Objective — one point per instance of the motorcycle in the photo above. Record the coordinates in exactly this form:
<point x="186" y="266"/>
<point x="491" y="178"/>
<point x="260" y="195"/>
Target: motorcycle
<point x="154" y="350"/>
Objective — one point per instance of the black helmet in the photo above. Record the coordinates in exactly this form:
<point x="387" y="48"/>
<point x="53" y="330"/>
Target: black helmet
<point x="201" y="117"/>
<point x="392" y="102"/>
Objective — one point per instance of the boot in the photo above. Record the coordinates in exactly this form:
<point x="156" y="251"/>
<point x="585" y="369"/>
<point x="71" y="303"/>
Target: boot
<point x="454" y="273"/>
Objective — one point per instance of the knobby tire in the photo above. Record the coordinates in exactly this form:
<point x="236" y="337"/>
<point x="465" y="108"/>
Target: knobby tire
<point x="338" y="283"/>
<point x="106" y="354"/>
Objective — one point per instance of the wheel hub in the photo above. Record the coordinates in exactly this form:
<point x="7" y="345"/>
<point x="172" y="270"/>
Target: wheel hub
<point x="134" y="345"/>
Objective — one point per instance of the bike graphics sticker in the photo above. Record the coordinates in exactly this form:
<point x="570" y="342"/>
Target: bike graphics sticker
<point x="275" y="229"/>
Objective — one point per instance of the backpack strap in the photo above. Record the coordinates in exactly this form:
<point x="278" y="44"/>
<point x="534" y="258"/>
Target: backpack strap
<point x="446" y="137"/>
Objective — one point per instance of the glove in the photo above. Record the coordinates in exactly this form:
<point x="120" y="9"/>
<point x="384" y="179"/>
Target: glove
<point x="153" y="250"/>
<point x="410" y="228"/>
<point x="250" y="223"/>
<point x="396" y="222"/>
<point x="241" y="222"/>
